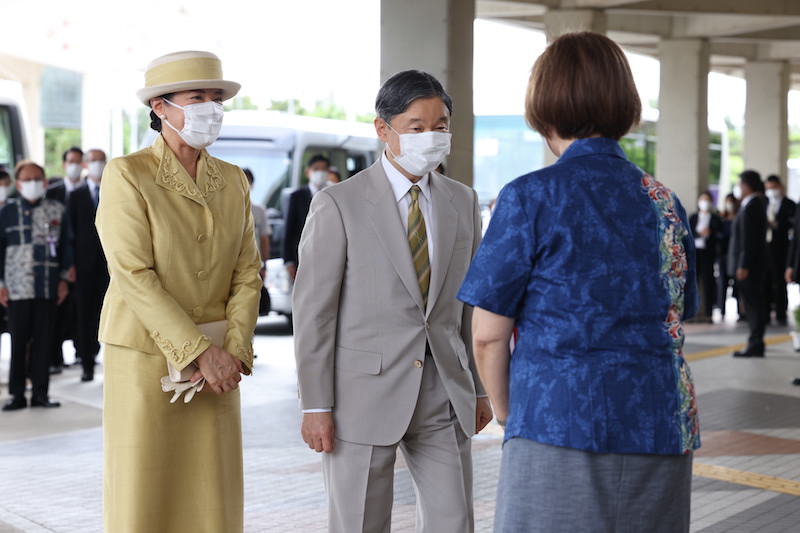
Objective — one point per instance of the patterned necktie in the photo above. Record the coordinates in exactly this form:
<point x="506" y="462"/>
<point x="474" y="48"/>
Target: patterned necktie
<point x="418" y="241"/>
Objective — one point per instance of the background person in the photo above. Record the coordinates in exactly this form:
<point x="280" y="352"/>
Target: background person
<point x="91" y="269"/>
<point x="597" y="389"/>
<point x="780" y="219"/>
<point x="66" y="313"/>
<point x="35" y="257"/>
<point x="749" y="260"/>
<point x="724" y="279"/>
<point x="176" y="229"/>
<point x="297" y="210"/>
<point x="706" y="227"/>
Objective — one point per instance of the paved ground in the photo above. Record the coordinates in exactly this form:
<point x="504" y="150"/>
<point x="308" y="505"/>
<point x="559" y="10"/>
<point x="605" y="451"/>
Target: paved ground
<point x="747" y="473"/>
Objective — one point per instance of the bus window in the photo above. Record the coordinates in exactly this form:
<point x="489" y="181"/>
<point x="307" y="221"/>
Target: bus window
<point x="6" y="139"/>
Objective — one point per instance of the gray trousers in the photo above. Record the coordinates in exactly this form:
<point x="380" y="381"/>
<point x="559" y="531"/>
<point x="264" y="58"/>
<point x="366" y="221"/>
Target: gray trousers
<point x="359" y="477"/>
<point x="549" y="489"/>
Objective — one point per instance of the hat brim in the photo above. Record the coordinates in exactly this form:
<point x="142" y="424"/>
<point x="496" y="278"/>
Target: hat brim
<point x="229" y="89"/>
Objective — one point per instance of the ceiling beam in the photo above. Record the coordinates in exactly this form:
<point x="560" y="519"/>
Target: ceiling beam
<point x="722" y="7"/>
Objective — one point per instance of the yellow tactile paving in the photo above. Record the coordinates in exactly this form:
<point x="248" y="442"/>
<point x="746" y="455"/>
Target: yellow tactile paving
<point x="726" y="350"/>
<point x="748" y="479"/>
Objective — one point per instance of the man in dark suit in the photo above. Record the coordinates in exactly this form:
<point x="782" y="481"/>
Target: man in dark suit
<point x="748" y="259"/>
<point x="60" y="189"/>
<point x="91" y="279"/>
<point x="780" y="218"/>
<point x="297" y="209"/>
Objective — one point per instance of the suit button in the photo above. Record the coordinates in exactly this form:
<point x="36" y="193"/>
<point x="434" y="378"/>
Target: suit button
<point x="427" y="325"/>
<point x="202" y="237"/>
<point x="418" y="364"/>
<point x="197" y="311"/>
<point x="202" y="275"/>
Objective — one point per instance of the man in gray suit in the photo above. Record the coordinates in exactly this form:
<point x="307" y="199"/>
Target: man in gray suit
<point x="383" y="347"/>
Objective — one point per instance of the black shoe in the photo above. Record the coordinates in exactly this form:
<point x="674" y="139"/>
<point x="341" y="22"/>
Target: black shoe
<point x="44" y="402"/>
<point x="796" y="381"/>
<point x="87" y="377"/>
<point x="54" y="370"/>
<point x="749" y="353"/>
<point x="18" y="402"/>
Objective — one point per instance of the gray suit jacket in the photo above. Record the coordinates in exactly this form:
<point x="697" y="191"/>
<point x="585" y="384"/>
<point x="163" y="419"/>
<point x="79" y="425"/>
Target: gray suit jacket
<point x="358" y="313"/>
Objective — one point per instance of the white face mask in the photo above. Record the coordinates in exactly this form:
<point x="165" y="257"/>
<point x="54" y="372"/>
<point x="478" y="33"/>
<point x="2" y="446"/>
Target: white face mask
<point x="95" y="169"/>
<point x="421" y="152"/>
<point x="4" y="192"/>
<point x="772" y="194"/>
<point x="201" y="123"/>
<point x="74" y="171"/>
<point x="32" y="190"/>
<point x="318" y="178"/>
<point x="737" y="191"/>
<point x="704" y="205"/>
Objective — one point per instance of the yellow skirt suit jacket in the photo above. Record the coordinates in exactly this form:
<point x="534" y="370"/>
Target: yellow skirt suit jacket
<point x="180" y="253"/>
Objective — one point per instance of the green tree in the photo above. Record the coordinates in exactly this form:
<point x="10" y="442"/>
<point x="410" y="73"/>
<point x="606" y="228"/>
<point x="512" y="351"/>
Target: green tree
<point x="284" y="106"/>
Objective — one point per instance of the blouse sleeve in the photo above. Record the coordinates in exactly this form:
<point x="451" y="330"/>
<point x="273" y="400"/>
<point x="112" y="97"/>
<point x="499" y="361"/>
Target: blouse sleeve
<point x="501" y="268"/>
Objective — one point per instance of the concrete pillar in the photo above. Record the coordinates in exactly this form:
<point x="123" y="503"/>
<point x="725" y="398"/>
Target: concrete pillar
<point x="766" y="117"/>
<point x="571" y="20"/>
<point x="436" y="36"/>
<point x="682" y="159"/>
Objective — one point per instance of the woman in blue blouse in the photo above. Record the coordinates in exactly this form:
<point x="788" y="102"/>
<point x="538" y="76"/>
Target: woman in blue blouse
<point x="592" y="261"/>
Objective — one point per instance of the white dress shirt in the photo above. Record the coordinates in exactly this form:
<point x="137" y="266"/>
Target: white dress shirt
<point x="401" y="186"/>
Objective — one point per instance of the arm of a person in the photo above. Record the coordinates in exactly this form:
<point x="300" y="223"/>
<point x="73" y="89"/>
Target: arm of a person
<point x="466" y="318"/>
<point x="241" y="309"/>
<point x="315" y="301"/>
<point x="124" y="231"/>
<point x="291" y="233"/>
<point x="491" y="340"/>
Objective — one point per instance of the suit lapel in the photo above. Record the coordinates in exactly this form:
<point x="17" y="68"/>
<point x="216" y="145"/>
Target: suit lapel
<point x="386" y="222"/>
<point x="445" y="230"/>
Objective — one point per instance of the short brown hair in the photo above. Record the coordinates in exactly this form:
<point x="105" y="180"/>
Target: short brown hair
<point x="582" y="86"/>
<point x="27" y="163"/>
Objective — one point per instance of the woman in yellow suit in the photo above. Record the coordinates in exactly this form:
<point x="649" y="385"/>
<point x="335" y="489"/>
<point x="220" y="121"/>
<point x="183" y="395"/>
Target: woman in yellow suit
<point x="177" y="232"/>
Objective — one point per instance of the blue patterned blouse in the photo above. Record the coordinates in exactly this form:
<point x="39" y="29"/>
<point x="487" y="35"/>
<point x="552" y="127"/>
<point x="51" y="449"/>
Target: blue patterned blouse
<point x="594" y="260"/>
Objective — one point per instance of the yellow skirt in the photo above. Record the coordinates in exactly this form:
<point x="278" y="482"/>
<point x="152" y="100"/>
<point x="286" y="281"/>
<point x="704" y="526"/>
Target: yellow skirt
<point x="169" y="468"/>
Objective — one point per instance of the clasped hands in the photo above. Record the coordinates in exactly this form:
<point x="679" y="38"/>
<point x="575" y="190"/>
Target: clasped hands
<point x="216" y="367"/>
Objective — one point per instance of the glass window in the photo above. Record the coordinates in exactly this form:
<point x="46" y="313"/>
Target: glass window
<point x="6" y="140"/>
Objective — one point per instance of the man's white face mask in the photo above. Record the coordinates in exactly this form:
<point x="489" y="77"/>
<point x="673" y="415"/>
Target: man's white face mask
<point x="421" y="152"/>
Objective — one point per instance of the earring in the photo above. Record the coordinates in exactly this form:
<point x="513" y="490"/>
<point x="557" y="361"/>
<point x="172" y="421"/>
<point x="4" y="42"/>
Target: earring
<point x="162" y="116"/>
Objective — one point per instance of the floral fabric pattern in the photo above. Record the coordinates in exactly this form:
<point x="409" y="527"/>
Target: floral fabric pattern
<point x="598" y="273"/>
<point x="674" y="269"/>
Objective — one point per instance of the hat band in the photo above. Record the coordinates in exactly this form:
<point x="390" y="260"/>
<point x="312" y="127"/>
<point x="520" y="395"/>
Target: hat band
<point x="184" y="70"/>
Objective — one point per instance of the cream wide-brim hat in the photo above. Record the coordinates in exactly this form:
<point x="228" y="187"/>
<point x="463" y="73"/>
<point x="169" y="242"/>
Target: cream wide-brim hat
<point x="184" y="71"/>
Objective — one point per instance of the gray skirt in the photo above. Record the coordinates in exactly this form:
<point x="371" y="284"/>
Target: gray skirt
<point x="549" y="489"/>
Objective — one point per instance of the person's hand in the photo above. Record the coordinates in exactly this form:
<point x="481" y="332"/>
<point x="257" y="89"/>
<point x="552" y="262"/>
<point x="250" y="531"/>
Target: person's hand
<point x="63" y="291"/>
<point x="483" y="413"/>
<point x="742" y="273"/>
<point x="317" y="431"/>
<point x="4" y="297"/>
<point x="787" y="275"/>
<point x="72" y="274"/>
<point x="292" y="270"/>
<point x="221" y="370"/>
<point x="263" y="273"/>
<point x="705" y="232"/>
